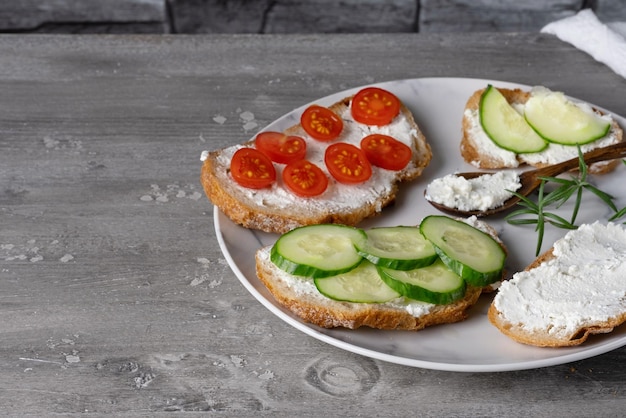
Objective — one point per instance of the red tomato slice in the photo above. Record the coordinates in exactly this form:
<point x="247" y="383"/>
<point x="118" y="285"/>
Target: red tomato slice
<point x="374" y="106"/>
<point x="251" y="168"/>
<point x="386" y="152"/>
<point x="321" y="123"/>
<point x="281" y="148"/>
<point x="347" y="163"/>
<point x="304" y="178"/>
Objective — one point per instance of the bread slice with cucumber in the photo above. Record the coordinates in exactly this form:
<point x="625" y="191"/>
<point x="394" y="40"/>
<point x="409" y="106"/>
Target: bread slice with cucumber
<point x="506" y="128"/>
<point x="402" y="277"/>
<point x="303" y="184"/>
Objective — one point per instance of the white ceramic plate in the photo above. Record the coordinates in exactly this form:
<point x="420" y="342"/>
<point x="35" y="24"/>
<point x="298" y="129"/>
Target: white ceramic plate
<point x="473" y="345"/>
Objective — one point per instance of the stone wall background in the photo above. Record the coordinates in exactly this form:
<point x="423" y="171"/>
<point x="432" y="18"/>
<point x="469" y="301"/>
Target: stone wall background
<point x="292" y="16"/>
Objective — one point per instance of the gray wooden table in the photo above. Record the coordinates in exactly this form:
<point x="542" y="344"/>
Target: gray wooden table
<point x="114" y="294"/>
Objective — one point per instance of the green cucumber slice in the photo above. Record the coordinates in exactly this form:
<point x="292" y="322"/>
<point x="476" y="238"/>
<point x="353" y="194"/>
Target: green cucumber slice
<point x="398" y="247"/>
<point x="505" y="126"/>
<point x="559" y="120"/>
<point x="318" y="250"/>
<point x="433" y="284"/>
<point x="361" y="284"/>
<point x="469" y="252"/>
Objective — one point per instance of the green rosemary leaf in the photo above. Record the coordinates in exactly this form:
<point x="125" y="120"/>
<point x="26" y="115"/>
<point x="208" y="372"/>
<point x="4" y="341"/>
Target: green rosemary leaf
<point x="582" y="166"/>
<point x="559" y="195"/>
<point x="606" y="198"/>
<point x="540" y="231"/>
<point x="524" y="199"/>
<point x="523" y="221"/>
<point x="526" y="203"/>
<point x="557" y="179"/>
<point x="558" y="221"/>
<point x="579" y="198"/>
<point x="510" y="218"/>
<point x="618" y="215"/>
<point x="520" y="212"/>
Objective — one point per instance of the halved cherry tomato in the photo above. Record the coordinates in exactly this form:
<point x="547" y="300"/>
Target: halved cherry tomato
<point x="251" y="168"/>
<point x="304" y="178"/>
<point x="386" y="152"/>
<point x="321" y="123"/>
<point x="347" y="163"/>
<point x="374" y="106"/>
<point x="281" y="148"/>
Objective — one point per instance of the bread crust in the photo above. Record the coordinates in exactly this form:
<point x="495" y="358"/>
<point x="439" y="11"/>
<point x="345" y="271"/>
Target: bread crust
<point x="543" y="339"/>
<point x="473" y="154"/>
<point x="234" y="202"/>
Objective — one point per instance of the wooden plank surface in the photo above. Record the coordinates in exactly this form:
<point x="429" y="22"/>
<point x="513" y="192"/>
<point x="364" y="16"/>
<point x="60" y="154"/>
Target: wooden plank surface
<point x="65" y="16"/>
<point x="114" y="294"/>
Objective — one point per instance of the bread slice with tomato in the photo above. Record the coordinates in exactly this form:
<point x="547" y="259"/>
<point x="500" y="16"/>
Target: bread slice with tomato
<point x="341" y="164"/>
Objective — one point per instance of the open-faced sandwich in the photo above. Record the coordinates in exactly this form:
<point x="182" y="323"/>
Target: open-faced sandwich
<point x="504" y="128"/>
<point x="401" y="277"/>
<point x="340" y="164"/>
<point x="576" y="289"/>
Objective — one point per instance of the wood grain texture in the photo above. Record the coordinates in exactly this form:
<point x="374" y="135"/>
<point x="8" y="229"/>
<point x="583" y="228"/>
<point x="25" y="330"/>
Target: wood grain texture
<point x="115" y="296"/>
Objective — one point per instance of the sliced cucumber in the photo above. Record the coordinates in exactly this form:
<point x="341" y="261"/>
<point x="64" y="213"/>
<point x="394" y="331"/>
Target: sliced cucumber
<point x="505" y="126"/>
<point x="361" y="284"/>
<point x="318" y="250"/>
<point x="433" y="284"/>
<point x="469" y="252"/>
<point x="559" y="120"/>
<point x="398" y="247"/>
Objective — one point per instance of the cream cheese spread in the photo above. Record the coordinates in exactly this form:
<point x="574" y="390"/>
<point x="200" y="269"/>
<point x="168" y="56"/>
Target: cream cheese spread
<point x="481" y="193"/>
<point x="488" y="148"/>
<point x="553" y="154"/>
<point x="338" y="196"/>
<point x="584" y="285"/>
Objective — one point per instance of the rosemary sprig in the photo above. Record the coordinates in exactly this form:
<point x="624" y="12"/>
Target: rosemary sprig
<point x="577" y="184"/>
<point x="540" y="216"/>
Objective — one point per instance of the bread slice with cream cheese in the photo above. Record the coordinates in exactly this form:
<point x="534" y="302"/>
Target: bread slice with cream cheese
<point x="576" y="289"/>
<point x="277" y="210"/>
<point x="479" y="150"/>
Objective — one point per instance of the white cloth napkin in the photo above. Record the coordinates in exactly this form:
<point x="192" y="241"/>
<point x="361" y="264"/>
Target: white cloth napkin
<point x="585" y="31"/>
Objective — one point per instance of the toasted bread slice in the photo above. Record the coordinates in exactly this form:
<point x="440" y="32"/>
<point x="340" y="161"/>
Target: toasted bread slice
<point x="574" y="290"/>
<point x="277" y="210"/>
<point x="300" y="296"/>
<point x="479" y="150"/>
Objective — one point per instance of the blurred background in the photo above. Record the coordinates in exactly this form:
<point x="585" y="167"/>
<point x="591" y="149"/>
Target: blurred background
<point x="292" y="16"/>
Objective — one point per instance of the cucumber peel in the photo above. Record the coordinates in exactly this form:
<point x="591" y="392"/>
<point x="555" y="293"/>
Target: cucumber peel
<point x="398" y="248"/>
<point x="559" y="120"/>
<point x="435" y="283"/>
<point x="318" y="250"/>
<point x="469" y="252"/>
<point x="505" y="126"/>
